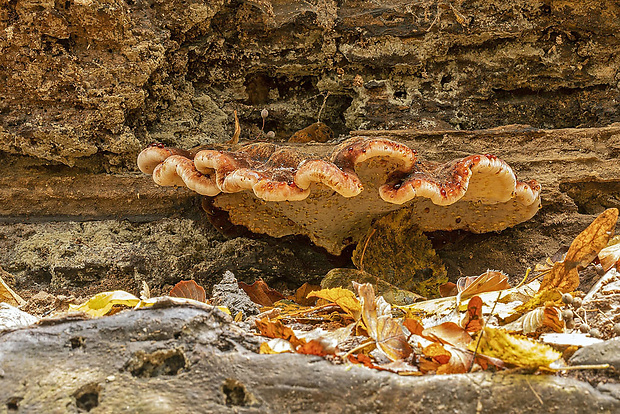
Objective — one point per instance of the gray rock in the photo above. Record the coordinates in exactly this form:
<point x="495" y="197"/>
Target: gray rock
<point x="228" y="293"/>
<point x="607" y="352"/>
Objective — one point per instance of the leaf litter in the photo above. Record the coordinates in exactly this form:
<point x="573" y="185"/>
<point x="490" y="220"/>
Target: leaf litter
<point x="482" y="323"/>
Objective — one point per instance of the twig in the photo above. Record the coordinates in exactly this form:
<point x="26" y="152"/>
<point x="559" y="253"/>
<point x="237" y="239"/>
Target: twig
<point x="358" y="348"/>
<point x="534" y="391"/>
<point x="364" y="249"/>
<point x="527" y="273"/>
<point x="318" y="118"/>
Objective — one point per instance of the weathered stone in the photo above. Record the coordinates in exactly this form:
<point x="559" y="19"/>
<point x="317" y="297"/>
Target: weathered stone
<point x="228" y="293"/>
<point x="84" y="258"/>
<point x="194" y="360"/>
<point x="607" y="352"/>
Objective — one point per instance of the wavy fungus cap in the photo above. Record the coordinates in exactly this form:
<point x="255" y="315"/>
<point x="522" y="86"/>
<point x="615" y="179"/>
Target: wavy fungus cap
<point x="281" y="189"/>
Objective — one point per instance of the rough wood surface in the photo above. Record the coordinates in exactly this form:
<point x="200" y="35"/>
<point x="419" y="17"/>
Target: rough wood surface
<point x="195" y="360"/>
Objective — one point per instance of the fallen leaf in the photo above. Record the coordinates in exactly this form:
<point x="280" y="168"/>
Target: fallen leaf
<point x="341" y="297"/>
<point x="564" y="275"/>
<point x="377" y="317"/>
<point x="7" y="294"/>
<point x="472" y="322"/>
<point x="301" y="295"/>
<point x="344" y="278"/>
<point x="189" y="289"/>
<point x="459" y="363"/>
<point x="593" y="239"/>
<point x="414" y="326"/>
<point x="276" y="329"/>
<point x="396" y="251"/>
<point x="276" y="346"/>
<point x="489" y="281"/>
<point x="259" y="292"/>
<point x="321" y="342"/>
<point x="515" y="349"/>
<point x="544" y="318"/>
<point x="448" y="332"/>
<point x="610" y="255"/>
<point x="437" y="353"/>
<point x="102" y="303"/>
<point x="448" y="289"/>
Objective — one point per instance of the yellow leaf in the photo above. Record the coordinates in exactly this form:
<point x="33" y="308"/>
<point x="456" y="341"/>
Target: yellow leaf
<point x="224" y="309"/>
<point x="564" y="275"/>
<point x="102" y="303"/>
<point x="276" y="346"/>
<point x="341" y="297"/>
<point x="515" y="349"/>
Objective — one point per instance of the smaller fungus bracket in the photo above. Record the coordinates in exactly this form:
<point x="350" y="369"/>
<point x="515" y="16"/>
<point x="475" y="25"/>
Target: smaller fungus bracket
<point x="333" y="198"/>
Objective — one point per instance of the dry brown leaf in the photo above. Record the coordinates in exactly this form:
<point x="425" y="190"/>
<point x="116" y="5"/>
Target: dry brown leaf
<point x="565" y="275"/>
<point x="7" y="294"/>
<point x="448" y="289"/>
<point x="448" y="332"/>
<point x="301" y="295"/>
<point x="313" y="347"/>
<point x="472" y="322"/>
<point x="276" y="329"/>
<point x="437" y="353"/>
<point x="341" y="297"/>
<point x="593" y="239"/>
<point x="377" y="317"/>
<point x="459" y="363"/>
<point x="414" y="326"/>
<point x="489" y="281"/>
<point x="190" y="290"/>
<point x="260" y="293"/>
<point x="552" y="319"/>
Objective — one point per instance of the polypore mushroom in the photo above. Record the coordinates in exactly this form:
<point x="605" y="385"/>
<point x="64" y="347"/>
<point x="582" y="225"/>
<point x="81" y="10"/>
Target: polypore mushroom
<point x="333" y="199"/>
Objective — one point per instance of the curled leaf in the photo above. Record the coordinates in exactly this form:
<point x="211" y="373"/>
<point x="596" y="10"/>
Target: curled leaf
<point x="489" y="281"/>
<point x="341" y="297"/>
<point x="377" y="317"/>
<point x="188" y="289"/>
<point x="260" y="293"/>
<point x="102" y="303"/>
<point x="472" y="322"/>
<point x="448" y="332"/>
<point x="610" y="255"/>
<point x="515" y="349"/>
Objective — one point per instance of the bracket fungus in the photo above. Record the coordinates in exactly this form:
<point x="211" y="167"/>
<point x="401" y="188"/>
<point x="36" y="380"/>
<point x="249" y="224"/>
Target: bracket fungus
<point x="333" y="193"/>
